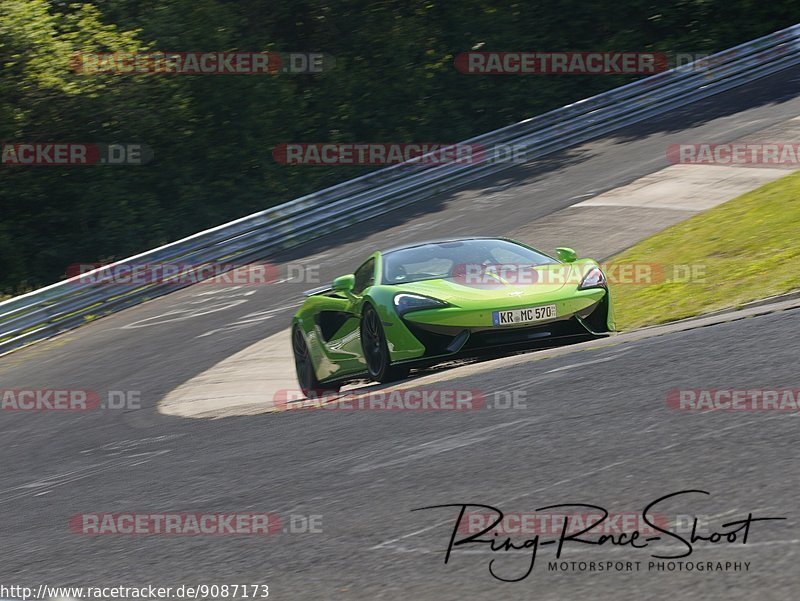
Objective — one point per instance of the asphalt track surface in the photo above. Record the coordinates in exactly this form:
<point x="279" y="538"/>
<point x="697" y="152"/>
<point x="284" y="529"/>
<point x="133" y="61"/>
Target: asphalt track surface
<point x="597" y="431"/>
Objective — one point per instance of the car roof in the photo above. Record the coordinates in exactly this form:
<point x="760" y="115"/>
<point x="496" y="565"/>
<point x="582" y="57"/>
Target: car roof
<point x="443" y="241"/>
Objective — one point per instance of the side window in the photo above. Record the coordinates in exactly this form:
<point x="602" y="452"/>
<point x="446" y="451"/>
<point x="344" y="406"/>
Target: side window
<point x="365" y="276"/>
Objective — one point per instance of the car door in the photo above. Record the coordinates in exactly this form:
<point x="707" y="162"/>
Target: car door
<point x="340" y="322"/>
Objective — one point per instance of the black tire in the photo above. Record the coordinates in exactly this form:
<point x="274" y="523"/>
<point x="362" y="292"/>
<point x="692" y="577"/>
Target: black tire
<point x="376" y="351"/>
<point x="304" y="367"/>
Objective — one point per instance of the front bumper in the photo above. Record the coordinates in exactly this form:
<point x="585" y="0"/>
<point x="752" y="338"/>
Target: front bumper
<point x="455" y="332"/>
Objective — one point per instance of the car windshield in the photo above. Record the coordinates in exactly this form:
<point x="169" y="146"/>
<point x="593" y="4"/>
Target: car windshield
<point x="444" y="259"/>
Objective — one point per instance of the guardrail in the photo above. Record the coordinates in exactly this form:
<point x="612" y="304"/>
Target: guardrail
<point x="68" y="304"/>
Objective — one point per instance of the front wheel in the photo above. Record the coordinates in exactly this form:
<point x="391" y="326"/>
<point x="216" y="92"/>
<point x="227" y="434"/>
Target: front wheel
<point x="376" y="351"/>
<point x="304" y="367"/>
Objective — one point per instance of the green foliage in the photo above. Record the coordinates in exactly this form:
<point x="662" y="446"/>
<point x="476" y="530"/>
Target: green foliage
<point x="213" y="135"/>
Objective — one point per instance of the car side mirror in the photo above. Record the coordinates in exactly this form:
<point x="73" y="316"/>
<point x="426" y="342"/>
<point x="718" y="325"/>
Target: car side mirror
<point x="344" y="283"/>
<point x="567" y="255"/>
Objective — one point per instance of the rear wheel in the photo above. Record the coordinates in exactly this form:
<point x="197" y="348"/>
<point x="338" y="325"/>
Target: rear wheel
<point x="304" y="366"/>
<point x="376" y="350"/>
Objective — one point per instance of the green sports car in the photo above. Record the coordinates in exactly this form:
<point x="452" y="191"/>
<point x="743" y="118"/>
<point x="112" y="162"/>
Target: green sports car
<point x="426" y="303"/>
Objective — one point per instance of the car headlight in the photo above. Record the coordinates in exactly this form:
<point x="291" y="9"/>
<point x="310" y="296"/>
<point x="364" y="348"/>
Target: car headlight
<point x="593" y="279"/>
<point x="405" y="302"/>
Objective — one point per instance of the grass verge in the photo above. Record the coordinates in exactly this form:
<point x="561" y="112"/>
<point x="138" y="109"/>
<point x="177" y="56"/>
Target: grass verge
<point x="742" y="250"/>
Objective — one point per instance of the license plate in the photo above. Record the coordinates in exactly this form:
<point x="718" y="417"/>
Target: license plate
<point x="520" y="316"/>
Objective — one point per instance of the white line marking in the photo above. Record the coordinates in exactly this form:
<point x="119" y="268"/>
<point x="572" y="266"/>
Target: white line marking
<point x="245" y="320"/>
<point x="592" y="362"/>
<point x="23" y="490"/>
<point x="442" y="445"/>
<point x="183" y="314"/>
